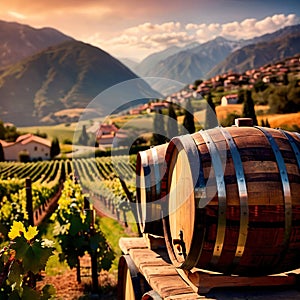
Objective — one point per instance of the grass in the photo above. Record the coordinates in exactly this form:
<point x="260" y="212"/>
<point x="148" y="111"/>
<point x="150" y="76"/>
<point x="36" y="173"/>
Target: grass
<point x="61" y="131"/>
<point x="113" y="231"/>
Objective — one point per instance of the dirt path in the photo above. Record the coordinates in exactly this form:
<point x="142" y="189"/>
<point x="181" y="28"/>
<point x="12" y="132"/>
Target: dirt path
<point x="67" y="287"/>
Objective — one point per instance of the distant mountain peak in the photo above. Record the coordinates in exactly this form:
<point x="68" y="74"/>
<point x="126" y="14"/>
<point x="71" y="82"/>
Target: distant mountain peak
<point x="18" y="41"/>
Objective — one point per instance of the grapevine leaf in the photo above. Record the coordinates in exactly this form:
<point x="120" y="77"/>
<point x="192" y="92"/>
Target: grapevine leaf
<point x="15" y="274"/>
<point x="36" y="258"/>
<point x="21" y="247"/>
<point x="76" y="225"/>
<point x="14" y="295"/>
<point x="48" y="292"/>
<point x="16" y="230"/>
<point x="30" y="294"/>
<point x="31" y="233"/>
<point x="94" y="242"/>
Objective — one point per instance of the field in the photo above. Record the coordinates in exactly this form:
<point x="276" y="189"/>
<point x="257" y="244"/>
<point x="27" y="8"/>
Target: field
<point x="275" y="120"/>
<point x="61" y="131"/>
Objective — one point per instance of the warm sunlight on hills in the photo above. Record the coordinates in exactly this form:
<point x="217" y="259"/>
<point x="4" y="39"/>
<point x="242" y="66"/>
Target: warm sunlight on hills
<point x="275" y="120"/>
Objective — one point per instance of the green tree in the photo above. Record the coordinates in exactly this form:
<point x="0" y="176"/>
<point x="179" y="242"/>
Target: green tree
<point x="172" y="126"/>
<point x="210" y="115"/>
<point x="285" y="79"/>
<point x="285" y="99"/>
<point x="2" y="131"/>
<point x="2" y="158"/>
<point x="248" y="107"/>
<point x="230" y="119"/>
<point x="159" y="133"/>
<point x="260" y="86"/>
<point x="55" y="148"/>
<point x="11" y="134"/>
<point x="188" y="121"/>
<point x="241" y="96"/>
<point x="84" y="138"/>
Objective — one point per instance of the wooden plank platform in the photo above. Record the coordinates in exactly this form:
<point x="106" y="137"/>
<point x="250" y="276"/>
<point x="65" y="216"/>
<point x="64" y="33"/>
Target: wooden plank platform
<point x="157" y="270"/>
<point x="150" y="257"/>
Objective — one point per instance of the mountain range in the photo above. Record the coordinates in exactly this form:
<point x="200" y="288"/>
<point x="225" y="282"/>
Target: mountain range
<point x="202" y="61"/>
<point x="43" y="71"/>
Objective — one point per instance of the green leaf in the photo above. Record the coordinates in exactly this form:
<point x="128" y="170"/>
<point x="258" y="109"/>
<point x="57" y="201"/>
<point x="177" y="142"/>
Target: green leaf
<point x="15" y="275"/>
<point x="36" y="258"/>
<point x="21" y="247"/>
<point x="14" y="296"/>
<point x="30" y="294"/>
<point x="95" y="241"/>
<point x="48" y="292"/>
<point x="76" y="225"/>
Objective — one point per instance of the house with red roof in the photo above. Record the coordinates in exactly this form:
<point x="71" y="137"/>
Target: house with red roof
<point x="36" y="147"/>
<point x="109" y="134"/>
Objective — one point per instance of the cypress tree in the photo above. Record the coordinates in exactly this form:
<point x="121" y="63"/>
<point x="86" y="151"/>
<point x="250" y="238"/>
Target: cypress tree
<point x="84" y="138"/>
<point x="248" y="107"/>
<point x="2" y="130"/>
<point x="55" y="148"/>
<point x="188" y="121"/>
<point x="241" y="96"/>
<point x="210" y="115"/>
<point x="159" y="133"/>
<point x="2" y="158"/>
<point x="172" y="126"/>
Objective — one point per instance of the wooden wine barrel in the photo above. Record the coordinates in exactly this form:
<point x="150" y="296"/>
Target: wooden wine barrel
<point x="234" y="200"/>
<point x="131" y="284"/>
<point x="150" y="169"/>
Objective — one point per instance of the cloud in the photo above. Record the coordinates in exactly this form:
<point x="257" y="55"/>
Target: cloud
<point x="245" y="29"/>
<point x="16" y="15"/>
<point x="167" y="39"/>
<point x="153" y="28"/>
<point x="250" y="28"/>
<point x="149" y="37"/>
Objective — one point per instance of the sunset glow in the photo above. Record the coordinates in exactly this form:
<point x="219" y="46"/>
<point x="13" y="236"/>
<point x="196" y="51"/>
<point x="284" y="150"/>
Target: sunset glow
<point x="134" y="29"/>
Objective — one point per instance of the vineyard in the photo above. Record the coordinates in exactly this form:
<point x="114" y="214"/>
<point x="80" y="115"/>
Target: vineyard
<point x="65" y="193"/>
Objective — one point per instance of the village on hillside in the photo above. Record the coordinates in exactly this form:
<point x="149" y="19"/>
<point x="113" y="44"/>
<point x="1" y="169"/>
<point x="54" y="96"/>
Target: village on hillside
<point x="226" y="86"/>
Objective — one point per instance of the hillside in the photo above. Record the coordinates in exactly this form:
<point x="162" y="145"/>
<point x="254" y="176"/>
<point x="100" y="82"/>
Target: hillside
<point x="65" y="76"/>
<point x="256" y="55"/>
<point x="18" y="41"/>
<point x="185" y="65"/>
<point x="218" y="56"/>
<point x="147" y="65"/>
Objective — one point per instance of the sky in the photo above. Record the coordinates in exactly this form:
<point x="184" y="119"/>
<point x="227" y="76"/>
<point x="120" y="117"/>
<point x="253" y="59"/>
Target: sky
<point x="137" y="28"/>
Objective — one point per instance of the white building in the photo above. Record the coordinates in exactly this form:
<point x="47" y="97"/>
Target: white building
<point x="229" y="99"/>
<point x="38" y="148"/>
